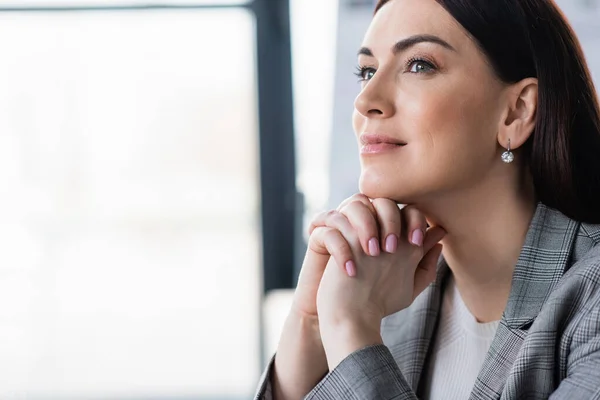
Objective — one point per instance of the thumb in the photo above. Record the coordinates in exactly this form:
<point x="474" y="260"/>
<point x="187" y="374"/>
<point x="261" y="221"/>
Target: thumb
<point x="426" y="270"/>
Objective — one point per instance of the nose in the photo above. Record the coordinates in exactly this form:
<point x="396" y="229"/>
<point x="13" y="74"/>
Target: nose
<point x="376" y="99"/>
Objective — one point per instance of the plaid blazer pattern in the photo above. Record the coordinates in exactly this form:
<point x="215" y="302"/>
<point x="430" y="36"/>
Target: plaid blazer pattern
<point x="547" y="345"/>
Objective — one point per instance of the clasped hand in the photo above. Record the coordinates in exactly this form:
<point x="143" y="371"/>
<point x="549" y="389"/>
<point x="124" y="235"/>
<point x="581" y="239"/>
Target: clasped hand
<point x="380" y="257"/>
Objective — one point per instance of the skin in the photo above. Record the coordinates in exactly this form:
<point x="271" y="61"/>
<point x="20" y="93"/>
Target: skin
<point x="365" y="260"/>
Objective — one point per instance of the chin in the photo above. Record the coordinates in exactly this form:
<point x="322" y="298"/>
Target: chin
<point x="374" y="188"/>
<point x="402" y="189"/>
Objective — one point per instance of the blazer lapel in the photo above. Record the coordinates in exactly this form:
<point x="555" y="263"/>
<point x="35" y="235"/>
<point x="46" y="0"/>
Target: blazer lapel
<point x="408" y="334"/>
<point x="542" y="262"/>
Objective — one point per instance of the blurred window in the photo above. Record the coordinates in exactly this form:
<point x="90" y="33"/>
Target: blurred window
<point x="129" y="222"/>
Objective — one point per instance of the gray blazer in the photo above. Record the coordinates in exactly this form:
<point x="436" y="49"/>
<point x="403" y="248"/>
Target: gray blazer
<point x="547" y="344"/>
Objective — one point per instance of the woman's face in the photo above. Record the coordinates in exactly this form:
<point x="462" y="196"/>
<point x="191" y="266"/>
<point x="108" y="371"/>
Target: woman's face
<point x="430" y="91"/>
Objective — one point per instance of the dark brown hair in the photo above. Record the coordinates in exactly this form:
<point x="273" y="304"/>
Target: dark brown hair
<point x="531" y="38"/>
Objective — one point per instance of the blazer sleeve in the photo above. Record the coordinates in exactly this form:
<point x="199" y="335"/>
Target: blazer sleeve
<point x="369" y="373"/>
<point x="264" y="391"/>
<point x="583" y="366"/>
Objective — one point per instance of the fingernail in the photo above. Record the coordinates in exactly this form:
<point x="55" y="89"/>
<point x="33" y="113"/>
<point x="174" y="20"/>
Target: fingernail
<point x="391" y="243"/>
<point x="417" y="237"/>
<point x="373" y="247"/>
<point x="350" y="268"/>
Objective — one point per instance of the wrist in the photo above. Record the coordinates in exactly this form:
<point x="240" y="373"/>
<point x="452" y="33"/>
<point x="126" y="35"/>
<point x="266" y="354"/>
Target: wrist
<point x="346" y="337"/>
<point x="300" y="361"/>
<point x="308" y="324"/>
<point x="363" y="321"/>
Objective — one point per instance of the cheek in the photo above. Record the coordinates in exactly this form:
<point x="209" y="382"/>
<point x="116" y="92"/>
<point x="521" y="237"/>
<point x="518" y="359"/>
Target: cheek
<point x="447" y="121"/>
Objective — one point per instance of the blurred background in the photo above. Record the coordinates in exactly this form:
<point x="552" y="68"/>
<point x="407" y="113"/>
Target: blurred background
<point x="158" y="164"/>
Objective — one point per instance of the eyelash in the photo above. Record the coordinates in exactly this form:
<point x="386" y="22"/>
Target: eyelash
<point x="423" y="60"/>
<point x="360" y="69"/>
<point x="360" y="72"/>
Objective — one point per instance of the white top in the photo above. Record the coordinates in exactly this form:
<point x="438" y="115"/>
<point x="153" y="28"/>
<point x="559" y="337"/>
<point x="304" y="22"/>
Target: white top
<point x="459" y="349"/>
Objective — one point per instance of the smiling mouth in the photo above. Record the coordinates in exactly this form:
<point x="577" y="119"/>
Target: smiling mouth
<point x="380" y="147"/>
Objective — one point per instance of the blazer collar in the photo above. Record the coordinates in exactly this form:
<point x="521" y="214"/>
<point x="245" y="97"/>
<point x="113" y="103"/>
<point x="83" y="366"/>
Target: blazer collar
<point x="543" y="260"/>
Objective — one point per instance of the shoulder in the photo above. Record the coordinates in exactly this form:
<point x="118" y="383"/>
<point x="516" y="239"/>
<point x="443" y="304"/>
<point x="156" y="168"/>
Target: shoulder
<point x="584" y="266"/>
<point x="582" y="269"/>
<point x="580" y="283"/>
<point x="577" y="293"/>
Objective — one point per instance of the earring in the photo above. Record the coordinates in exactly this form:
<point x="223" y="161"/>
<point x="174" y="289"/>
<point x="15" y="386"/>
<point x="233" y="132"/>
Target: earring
<point x="508" y="155"/>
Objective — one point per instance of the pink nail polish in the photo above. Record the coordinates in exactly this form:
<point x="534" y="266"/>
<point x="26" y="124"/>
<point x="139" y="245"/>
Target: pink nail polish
<point x="417" y="238"/>
<point x="350" y="268"/>
<point x="391" y="243"/>
<point x="373" y="247"/>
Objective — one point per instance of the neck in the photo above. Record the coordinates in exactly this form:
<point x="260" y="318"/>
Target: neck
<point x="486" y="229"/>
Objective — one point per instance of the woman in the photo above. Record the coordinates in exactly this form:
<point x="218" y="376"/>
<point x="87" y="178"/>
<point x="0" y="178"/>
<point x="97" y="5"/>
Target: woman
<point x="482" y="117"/>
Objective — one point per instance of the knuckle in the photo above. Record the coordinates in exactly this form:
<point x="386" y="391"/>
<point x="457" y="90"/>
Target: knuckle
<point x="349" y="239"/>
<point x="321" y="218"/>
<point x="411" y="210"/>
<point x="316" y="221"/>
<point x="318" y="218"/>
<point x="362" y="198"/>
<point x="316" y="233"/>
<point x="358" y="196"/>
<point x="342" y="205"/>
<point x="357" y="206"/>
<point x="379" y="201"/>
<point x="387" y="207"/>
<point x="332" y="233"/>
<point x="413" y="216"/>
<point x="349" y="200"/>
<point x="316" y="239"/>
<point x="346" y="209"/>
<point x="352" y="202"/>
<point x="334" y="218"/>
<point x="356" y="213"/>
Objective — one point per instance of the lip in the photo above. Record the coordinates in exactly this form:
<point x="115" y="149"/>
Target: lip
<point x="377" y="143"/>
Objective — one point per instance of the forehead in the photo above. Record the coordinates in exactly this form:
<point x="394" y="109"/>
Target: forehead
<point x="399" y="19"/>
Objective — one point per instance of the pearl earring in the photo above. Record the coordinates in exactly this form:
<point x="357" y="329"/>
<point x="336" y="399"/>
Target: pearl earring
<point x="508" y="155"/>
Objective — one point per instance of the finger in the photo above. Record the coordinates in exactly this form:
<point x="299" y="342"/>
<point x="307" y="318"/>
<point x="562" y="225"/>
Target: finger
<point x="416" y="225"/>
<point x="426" y="270"/>
<point x="335" y="219"/>
<point x="365" y="225"/>
<point x="325" y="240"/>
<point x="319" y="220"/>
<point x="389" y="220"/>
<point x="360" y="198"/>
<point x="433" y="236"/>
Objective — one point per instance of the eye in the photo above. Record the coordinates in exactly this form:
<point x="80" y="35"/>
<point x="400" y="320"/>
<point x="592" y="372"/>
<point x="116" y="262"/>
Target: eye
<point x="420" y="66"/>
<point x="364" y="73"/>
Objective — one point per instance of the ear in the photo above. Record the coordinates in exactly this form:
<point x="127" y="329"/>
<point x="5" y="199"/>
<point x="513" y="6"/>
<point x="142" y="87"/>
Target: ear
<point x="518" y="121"/>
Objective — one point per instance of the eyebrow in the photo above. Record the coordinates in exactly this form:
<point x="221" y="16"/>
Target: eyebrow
<point x="407" y="43"/>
